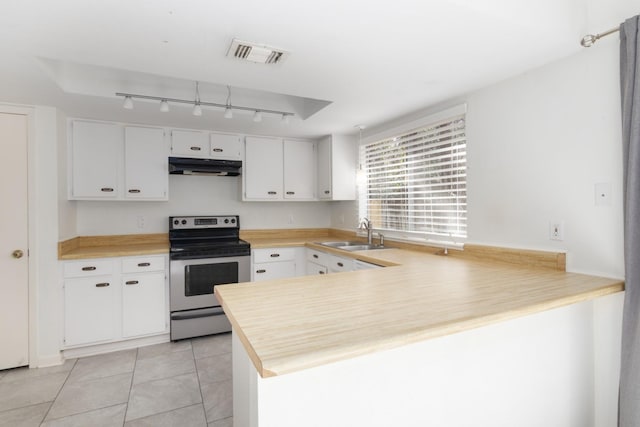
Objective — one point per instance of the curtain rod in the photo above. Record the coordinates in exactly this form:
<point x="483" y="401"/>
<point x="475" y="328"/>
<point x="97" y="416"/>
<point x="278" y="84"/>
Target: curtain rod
<point x="590" y="39"/>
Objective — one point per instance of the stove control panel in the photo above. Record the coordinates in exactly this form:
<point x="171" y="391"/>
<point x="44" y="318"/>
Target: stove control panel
<point x="196" y="222"/>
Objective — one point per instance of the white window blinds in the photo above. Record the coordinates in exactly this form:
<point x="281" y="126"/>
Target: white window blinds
<point x="416" y="182"/>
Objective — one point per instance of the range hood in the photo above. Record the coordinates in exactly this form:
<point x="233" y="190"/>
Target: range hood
<point x="191" y="166"/>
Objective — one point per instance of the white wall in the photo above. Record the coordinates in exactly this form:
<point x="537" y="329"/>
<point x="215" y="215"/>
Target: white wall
<point x="197" y="195"/>
<point x="537" y="145"/>
<point x="66" y="209"/>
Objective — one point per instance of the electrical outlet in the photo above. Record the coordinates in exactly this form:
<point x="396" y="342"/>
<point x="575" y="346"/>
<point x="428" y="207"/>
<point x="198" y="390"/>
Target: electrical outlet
<point x="556" y="230"/>
<point x="290" y="219"/>
<point x="140" y="221"/>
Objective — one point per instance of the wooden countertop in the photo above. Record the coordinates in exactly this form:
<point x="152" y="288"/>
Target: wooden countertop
<point x="112" y="246"/>
<point x="293" y="324"/>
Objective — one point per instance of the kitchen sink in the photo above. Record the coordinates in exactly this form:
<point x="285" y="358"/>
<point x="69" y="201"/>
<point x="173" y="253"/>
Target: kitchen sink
<point x="338" y="244"/>
<point x="351" y="246"/>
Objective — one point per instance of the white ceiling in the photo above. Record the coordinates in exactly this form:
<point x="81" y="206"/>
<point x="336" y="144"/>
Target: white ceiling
<point x="374" y="60"/>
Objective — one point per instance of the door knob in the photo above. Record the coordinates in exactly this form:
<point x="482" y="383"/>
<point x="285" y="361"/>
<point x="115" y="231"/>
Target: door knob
<point x="17" y="253"/>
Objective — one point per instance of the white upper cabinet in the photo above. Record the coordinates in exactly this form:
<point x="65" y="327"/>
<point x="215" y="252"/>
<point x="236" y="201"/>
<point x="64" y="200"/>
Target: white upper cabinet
<point x="262" y="171"/>
<point x="186" y="143"/>
<point x="146" y="164"/>
<point x="96" y="159"/>
<point x="337" y="165"/>
<point x="279" y="170"/>
<point x="299" y="170"/>
<point x="111" y="162"/>
<point x="225" y="146"/>
<point x="206" y="145"/>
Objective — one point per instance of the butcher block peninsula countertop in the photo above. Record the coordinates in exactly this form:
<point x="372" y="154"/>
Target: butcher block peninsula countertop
<point x="288" y="325"/>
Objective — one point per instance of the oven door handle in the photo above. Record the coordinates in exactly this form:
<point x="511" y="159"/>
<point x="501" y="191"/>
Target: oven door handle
<point x="196" y="314"/>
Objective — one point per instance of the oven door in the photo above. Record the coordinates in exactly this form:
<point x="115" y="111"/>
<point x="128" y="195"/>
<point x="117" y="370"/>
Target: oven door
<point x="192" y="280"/>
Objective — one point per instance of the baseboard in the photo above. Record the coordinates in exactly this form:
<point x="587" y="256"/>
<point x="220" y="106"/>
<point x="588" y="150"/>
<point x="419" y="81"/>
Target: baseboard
<point x="92" y="350"/>
<point x="49" y="360"/>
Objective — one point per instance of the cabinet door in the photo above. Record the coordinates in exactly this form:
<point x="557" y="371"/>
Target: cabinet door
<point x="273" y="270"/>
<point x="185" y="143"/>
<point x="90" y="310"/>
<point x="299" y="170"/>
<point x="262" y="170"/>
<point x="226" y="146"/>
<point x="144" y="307"/>
<point x="324" y="169"/>
<point x="344" y="163"/>
<point x="96" y="153"/>
<point x="315" y="269"/>
<point x="146" y="164"/>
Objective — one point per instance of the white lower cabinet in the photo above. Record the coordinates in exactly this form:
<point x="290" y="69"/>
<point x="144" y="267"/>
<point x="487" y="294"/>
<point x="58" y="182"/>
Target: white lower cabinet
<point x="113" y="299"/>
<point x="273" y="263"/>
<point x="315" y="268"/>
<point x="318" y="261"/>
<point x="144" y="307"/>
<point x="91" y="310"/>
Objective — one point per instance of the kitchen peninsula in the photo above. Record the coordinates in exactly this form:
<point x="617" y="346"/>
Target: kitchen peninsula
<point x="428" y="341"/>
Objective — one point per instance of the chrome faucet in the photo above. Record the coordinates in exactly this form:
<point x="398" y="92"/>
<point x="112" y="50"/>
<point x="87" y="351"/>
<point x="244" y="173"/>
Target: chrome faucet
<point x="365" y="224"/>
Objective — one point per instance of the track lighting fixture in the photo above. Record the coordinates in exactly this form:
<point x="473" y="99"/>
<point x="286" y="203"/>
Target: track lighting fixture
<point x="198" y="104"/>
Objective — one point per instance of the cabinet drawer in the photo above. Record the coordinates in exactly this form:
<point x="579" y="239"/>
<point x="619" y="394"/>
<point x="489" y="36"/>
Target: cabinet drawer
<point x="273" y="270"/>
<point x="274" y="255"/>
<point x="318" y="257"/>
<point x="141" y="264"/>
<point x="86" y="268"/>
<point x="189" y="143"/>
<point x="339" y="264"/>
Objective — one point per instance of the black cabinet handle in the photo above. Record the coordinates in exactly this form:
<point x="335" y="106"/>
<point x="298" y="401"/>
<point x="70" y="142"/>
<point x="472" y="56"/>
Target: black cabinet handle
<point x="315" y="256"/>
<point x="327" y="191"/>
<point x="291" y="192"/>
<point x="131" y="282"/>
<point x="274" y="255"/>
<point x="144" y="264"/>
<point x="102" y="285"/>
<point x="106" y="190"/>
<point x="272" y="193"/>
<point x="195" y="148"/>
<point x="320" y="272"/>
<point x="340" y="264"/>
<point x="218" y="150"/>
<point x="261" y="271"/>
<point x="134" y="190"/>
<point x="90" y="268"/>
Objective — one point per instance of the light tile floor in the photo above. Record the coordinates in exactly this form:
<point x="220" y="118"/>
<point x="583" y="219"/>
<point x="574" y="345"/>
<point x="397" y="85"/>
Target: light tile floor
<point x="187" y="383"/>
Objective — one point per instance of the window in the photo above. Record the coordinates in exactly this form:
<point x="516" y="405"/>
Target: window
<point x="415" y="182"/>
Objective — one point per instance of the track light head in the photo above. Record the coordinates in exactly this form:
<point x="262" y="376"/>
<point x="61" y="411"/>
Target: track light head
<point x="128" y="103"/>
<point x="164" y="106"/>
<point x="197" y="110"/>
<point x="257" y="116"/>
<point x="285" y="119"/>
<point x="228" y="113"/>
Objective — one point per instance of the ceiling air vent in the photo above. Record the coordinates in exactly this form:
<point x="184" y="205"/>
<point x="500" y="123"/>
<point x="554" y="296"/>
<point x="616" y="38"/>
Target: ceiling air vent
<point x="256" y="53"/>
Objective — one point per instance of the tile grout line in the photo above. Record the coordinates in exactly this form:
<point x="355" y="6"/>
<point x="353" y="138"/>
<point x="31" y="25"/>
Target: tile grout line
<point x="195" y="363"/>
<point x="133" y="374"/>
<point x="58" y="393"/>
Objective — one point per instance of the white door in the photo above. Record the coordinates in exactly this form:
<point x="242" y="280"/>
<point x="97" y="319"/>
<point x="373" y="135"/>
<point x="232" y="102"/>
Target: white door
<point x="14" y="268"/>
<point x="146" y="164"/>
